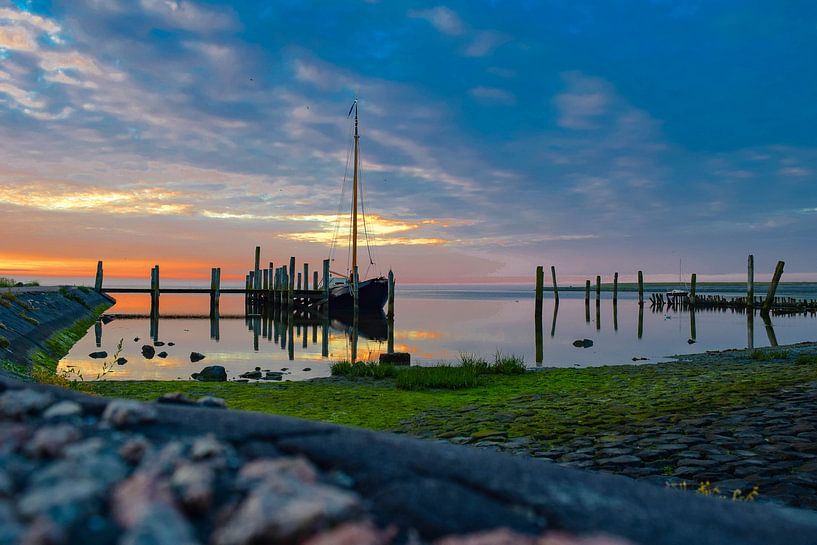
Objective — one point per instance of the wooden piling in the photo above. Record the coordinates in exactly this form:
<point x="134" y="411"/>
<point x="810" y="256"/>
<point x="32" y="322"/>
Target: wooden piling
<point x="598" y="288"/>
<point x="291" y="294"/>
<point x="778" y="272"/>
<point x="555" y="286"/>
<point x="265" y="284"/>
<point x="553" y="322"/>
<point x="299" y="282"/>
<point x="615" y="288"/>
<point x="693" y="286"/>
<point x="750" y="281"/>
<point x="750" y="329"/>
<point x="98" y="281"/>
<point x="693" y="331"/>
<point x="537" y="318"/>
<point x="306" y="276"/>
<point x="390" y="312"/>
<point x="315" y="284"/>
<point x="540" y="287"/>
<point x="641" y="288"/>
<point x="587" y="292"/>
<point x="257" y="278"/>
<point x="641" y="320"/>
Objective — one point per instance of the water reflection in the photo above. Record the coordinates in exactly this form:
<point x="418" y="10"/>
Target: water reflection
<point x="432" y="328"/>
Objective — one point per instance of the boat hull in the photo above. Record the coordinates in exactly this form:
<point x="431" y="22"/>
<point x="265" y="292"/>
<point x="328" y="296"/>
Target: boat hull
<point x="372" y="295"/>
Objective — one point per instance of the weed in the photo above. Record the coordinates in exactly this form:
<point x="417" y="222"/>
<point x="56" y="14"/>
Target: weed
<point x="806" y="359"/>
<point x="667" y="470"/>
<point x="362" y="369"/>
<point x="30" y="319"/>
<point x="7" y="282"/>
<point x="4" y="342"/>
<point x="759" y="355"/>
<point x="507" y="365"/>
<point x="107" y="367"/>
<point x="450" y="377"/>
<point x="73" y="297"/>
<point x="8" y="296"/>
<point x="25" y="304"/>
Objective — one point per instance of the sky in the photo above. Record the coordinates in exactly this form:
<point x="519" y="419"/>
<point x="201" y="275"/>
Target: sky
<point x="495" y="136"/>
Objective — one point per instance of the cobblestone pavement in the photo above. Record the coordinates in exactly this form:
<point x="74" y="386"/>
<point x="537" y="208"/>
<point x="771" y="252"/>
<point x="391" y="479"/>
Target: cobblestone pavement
<point x="769" y="447"/>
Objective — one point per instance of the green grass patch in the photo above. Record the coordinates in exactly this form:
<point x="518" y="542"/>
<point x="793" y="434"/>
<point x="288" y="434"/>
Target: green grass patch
<point x="362" y="370"/>
<point x="769" y="355"/>
<point x="72" y="297"/>
<point x="449" y="377"/>
<point x="806" y="359"/>
<point x="11" y="283"/>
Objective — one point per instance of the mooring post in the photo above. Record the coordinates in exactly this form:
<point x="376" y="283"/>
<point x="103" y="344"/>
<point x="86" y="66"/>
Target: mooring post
<point x="615" y="288"/>
<point x="315" y="281"/>
<point x="326" y="281"/>
<point x="391" y="296"/>
<point x="693" y="331"/>
<point x="555" y="286"/>
<point x="640" y="288"/>
<point x="540" y="287"/>
<point x="587" y="292"/>
<point x="598" y="288"/>
<point x="98" y="281"/>
<point x="693" y="287"/>
<point x="291" y="294"/>
<point x="158" y="288"/>
<point x="257" y="278"/>
<point x="778" y="272"/>
<point x="306" y="276"/>
<point x="641" y="320"/>
<point x="265" y="285"/>
<point x="750" y="282"/>
<point x="299" y="281"/>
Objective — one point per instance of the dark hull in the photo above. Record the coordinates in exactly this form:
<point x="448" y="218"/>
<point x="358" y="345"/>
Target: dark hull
<point x="372" y="295"/>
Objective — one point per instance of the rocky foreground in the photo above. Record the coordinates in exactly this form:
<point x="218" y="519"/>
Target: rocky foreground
<point x="77" y="469"/>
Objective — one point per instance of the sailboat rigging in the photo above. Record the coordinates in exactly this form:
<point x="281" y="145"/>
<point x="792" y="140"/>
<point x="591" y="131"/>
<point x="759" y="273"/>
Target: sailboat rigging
<point x="371" y="293"/>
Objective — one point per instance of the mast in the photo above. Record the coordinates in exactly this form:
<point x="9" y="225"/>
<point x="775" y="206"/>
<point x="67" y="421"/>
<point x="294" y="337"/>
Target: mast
<point x="354" y="197"/>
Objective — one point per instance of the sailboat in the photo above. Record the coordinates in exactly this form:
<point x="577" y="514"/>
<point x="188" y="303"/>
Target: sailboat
<point x="372" y="293"/>
<point x="679" y="292"/>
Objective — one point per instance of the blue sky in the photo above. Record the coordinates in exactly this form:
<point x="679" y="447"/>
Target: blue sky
<point x="595" y="136"/>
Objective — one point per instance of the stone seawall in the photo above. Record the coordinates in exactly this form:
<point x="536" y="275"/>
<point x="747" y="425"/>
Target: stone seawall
<point x="31" y="316"/>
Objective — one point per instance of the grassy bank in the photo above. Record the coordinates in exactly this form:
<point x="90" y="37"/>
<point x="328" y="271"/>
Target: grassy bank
<point x="551" y="405"/>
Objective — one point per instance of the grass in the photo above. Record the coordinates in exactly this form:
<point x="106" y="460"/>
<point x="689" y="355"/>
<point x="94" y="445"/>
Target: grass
<point x="73" y="297"/>
<point x="30" y="319"/>
<point x="552" y="404"/>
<point x="445" y="376"/>
<point x="762" y="355"/>
<point x="10" y="283"/>
<point x="806" y="359"/>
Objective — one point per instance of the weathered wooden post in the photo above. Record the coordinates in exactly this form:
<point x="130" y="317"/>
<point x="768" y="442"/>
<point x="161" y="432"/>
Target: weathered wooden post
<point x="326" y="281"/>
<point x="555" y="286"/>
<point x="98" y="281"/>
<point x="553" y="322"/>
<point x="778" y="272"/>
<point x="693" y="287"/>
<point x="98" y="333"/>
<point x="257" y="278"/>
<point x="540" y="288"/>
<point x="767" y="322"/>
<point x="325" y="334"/>
<point x="306" y="276"/>
<point x="315" y="281"/>
<point x="598" y="288"/>
<point x="537" y="317"/>
<point x="265" y="285"/>
<point x="615" y="315"/>
<point x="291" y="294"/>
<point x="750" y="329"/>
<point x="390" y="312"/>
<point x="640" y="288"/>
<point x="750" y="282"/>
<point x="291" y="333"/>
<point x="641" y="320"/>
<point x="615" y="288"/>
<point x="299" y="282"/>
<point x="587" y="292"/>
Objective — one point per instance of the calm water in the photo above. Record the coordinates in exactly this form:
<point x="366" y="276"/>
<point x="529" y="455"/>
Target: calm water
<point x="432" y="323"/>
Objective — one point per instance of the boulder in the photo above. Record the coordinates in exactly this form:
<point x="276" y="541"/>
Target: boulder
<point x="196" y="356"/>
<point x="396" y="358"/>
<point x="148" y="351"/>
<point x="251" y="375"/>
<point x="98" y="355"/>
<point x="211" y="373"/>
<point x="158" y="343"/>
<point x="121" y="361"/>
<point x="162" y="354"/>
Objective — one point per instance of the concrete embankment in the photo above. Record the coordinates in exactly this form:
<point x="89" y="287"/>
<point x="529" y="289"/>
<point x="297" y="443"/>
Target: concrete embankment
<point x="36" y="323"/>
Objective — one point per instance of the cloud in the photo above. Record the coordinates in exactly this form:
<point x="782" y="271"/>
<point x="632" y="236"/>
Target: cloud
<point x="441" y="18"/>
<point x="795" y="171"/>
<point x="190" y="16"/>
<point x="492" y="94"/>
<point x="17" y="38"/>
<point x="583" y="103"/>
<point x="485" y="42"/>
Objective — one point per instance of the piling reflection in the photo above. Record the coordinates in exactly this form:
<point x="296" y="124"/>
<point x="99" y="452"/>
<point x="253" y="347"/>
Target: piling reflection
<point x="767" y="323"/>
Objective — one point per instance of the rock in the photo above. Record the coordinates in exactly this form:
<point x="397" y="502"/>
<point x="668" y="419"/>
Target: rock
<point x="501" y="536"/>
<point x="171" y="344"/>
<point x="273" y="375"/>
<point x="257" y="368"/>
<point x="282" y="508"/>
<point x="66" y="503"/>
<point x="396" y="358"/>
<point x="623" y="460"/>
<point x="158" y="343"/>
<point x="98" y="355"/>
<point x="307" y="369"/>
<point x="63" y="409"/>
<point x="193" y="484"/>
<point x="50" y="440"/>
<point x="133" y="499"/>
<point x="691" y="341"/>
<point x="121" y="361"/>
<point x="124" y="412"/>
<point x="10" y="528"/>
<point x="261" y="469"/>
<point x="207" y="447"/>
<point x="136" y="339"/>
<point x="251" y="375"/>
<point x="19" y="403"/>
<point x="176" y="398"/>
<point x="133" y="450"/>
<point x="196" y="356"/>
<point x="353" y="533"/>
<point x="211" y="401"/>
<point x="148" y="351"/>
<point x="583" y="343"/>
<point x="160" y="525"/>
<point x="212" y="373"/>
<point x="162" y="354"/>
